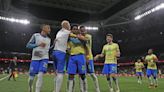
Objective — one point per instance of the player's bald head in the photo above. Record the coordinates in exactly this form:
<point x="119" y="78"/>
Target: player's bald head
<point x="65" y="24"/>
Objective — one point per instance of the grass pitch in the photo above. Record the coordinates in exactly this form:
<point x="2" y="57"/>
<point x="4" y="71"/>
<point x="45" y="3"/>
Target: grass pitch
<point x="127" y="84"/>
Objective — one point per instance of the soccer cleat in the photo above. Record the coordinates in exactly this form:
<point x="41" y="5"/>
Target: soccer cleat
<point x="117" y="90"/>
<point x="151" y="86"/>
<point x="155" y="86"/>
<point x="97" y="90"/>
<point x="30" y="89"/>
<point x="138" y="81"/>
<point x="111" y="90"/>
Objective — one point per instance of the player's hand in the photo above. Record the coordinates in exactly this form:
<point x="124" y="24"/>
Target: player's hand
<point x="87" y="62"/>
<point x="79" y="36"/>
<point x="117" y="54"/>
<point x="38" y="53"/>
<point x="96" y="57"/>
<point x="42" y="44"/>
<point x="87" y="59"/>
<point x="73" y="35"/>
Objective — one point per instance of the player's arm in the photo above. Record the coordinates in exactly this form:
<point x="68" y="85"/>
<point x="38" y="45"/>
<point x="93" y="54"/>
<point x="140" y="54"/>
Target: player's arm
<point x="31" y="44"/>
<point x="135" y="66"/>
<point x="53" y="45"/>
<point x="118" y="51"/>
<point x="143" y="66"/>
<point x="146" y="60"/>
<point x="79" y="36"/>
<point x="72" y="35"/>
<point x="155" y="58"/>
<point x="68" y="47"/>
<point x="74" y="40"/>
<point x="100" y="55"/>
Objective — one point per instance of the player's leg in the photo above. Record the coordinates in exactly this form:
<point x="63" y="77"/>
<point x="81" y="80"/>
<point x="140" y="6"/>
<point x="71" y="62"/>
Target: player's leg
<point x="93" y="75"/>
<point x="113" y="74"/>
<point x="81" y="62"/>
<point x="71" y="83"/>
<point x="141" y="74"/>
<point x="39" y="82"/>
<point x="71" y="69"/>
<point x="155" y="78"/>
<point x="13" y="75"/>
<point x="55" y="72"/>
<point x="34" y="68"/>
<point x="149" y="72"/>
<point x="83" y="83"/>
<point x="138" y="77"/>
<point x="42" y="69"/>
<point x="109" y="79"/>
<point x="10" y="76"/>
<point x="59" y="58"/>
<point x="30" y="83"/>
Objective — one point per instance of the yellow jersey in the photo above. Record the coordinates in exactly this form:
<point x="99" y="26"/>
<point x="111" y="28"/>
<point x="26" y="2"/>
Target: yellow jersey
<point x="151" y="61"/>
<point x="89" y="46"/>
<point x="139" y="66"/>
<point x="110" y="51"/>
<point x="75" y="49"/>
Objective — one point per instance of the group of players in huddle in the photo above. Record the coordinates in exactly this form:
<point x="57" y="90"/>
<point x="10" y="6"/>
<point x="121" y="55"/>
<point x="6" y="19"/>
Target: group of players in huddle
<point x="75" y="41"/>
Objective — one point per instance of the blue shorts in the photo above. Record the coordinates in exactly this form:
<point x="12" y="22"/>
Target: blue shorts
<point x="59" y="61"/>
<point x="139" y="73"/>
<point x="152" y="72"/>
<point x="109" y="69"/>
<point x="38" y="66"/>
<point x="77" y="64"/>
<point x="90" y="67"/>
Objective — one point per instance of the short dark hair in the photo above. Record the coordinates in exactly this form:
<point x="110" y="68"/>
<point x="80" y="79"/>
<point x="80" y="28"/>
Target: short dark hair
<point x="74" y="25"/>
<point x="109" y="35"/>
<point x="42" y="25"/>
<point x="82" y="26"/>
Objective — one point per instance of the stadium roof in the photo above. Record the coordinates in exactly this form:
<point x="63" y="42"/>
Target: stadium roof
<point x="111" y="16"/>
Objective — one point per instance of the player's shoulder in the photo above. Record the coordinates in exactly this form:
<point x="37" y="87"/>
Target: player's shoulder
<point x="88" y="35"/>
<point x="146" y="56"/>
<point x="115" y="44"/>
<point x="154" y="55"/>
<point x="63" y="30"/>
<point x="48" y="38"/>
<point x="105" y="45"/>
<point x="36" y="34"/>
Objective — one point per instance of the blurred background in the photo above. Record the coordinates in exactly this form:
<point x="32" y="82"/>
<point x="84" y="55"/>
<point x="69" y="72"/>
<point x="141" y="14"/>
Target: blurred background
<point x="136" y="25"/>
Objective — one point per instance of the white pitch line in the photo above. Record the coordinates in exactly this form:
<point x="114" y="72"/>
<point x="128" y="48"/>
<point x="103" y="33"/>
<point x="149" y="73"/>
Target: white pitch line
<point x="4" y="78"/>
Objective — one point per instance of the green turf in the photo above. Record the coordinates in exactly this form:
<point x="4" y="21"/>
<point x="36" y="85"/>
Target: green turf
<point x="127" y="84"/>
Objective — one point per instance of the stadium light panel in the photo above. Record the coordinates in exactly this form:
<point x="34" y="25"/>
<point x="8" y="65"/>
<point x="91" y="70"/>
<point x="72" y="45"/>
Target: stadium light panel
<point x="21" y="21"/>
<point x="91" y="28"/>
<point x="157" y="8"/>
